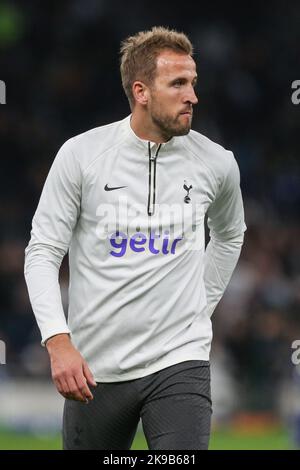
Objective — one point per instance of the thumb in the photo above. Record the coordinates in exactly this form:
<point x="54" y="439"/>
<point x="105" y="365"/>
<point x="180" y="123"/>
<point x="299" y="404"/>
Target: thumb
<point x="88" y="374"/>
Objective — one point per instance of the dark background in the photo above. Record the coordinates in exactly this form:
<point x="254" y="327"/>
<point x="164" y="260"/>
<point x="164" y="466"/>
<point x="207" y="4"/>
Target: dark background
<point x="60" y="63"/>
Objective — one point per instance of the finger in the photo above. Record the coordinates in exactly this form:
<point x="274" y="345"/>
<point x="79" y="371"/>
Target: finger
<point x="62" y="387"/>
<point x="75" y="392"/>
<point x="83" y="387"/>
<point x="88" y="375"/>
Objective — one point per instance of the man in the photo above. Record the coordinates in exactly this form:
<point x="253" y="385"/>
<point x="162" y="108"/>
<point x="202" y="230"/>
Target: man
<point x="128" y="201"/>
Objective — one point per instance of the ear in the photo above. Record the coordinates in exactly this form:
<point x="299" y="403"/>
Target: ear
<point x="140" y="92"/>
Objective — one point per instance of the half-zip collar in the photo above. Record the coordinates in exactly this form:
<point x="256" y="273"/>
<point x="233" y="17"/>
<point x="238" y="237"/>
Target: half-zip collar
<point x="143" y="144"/>
<point x="152" y="179"/>
<point x="148" y="149"/>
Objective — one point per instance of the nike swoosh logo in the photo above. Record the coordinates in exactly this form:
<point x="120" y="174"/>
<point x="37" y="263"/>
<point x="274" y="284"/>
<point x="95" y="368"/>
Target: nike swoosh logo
<point x="106" y="188"/>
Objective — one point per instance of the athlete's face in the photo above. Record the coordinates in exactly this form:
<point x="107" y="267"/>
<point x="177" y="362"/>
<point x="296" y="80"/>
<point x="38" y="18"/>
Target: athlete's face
<point x="172" y="94"/>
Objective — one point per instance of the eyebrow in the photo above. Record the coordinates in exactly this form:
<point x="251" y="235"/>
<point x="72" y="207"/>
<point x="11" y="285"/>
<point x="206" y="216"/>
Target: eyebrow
<point x="184" y="79"/>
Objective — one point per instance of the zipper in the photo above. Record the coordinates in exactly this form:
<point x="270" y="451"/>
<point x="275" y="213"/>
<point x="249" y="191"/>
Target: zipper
<point x="152" y="179"/>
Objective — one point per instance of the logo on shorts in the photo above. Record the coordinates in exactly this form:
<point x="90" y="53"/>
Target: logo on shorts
<point x="77" y="441"/>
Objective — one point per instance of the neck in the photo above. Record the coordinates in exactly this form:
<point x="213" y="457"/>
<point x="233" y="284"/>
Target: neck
<point x="143" y="126"/>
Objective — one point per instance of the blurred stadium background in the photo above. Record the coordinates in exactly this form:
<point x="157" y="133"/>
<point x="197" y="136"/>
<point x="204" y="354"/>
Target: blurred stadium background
<point x="59" y="61"/>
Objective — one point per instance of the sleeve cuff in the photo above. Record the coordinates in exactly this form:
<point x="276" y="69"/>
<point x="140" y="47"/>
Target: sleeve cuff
<point x="53" y="332"/>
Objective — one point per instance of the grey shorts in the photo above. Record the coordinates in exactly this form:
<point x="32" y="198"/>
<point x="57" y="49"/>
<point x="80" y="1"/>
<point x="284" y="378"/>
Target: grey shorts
<point x="174" y="405"/>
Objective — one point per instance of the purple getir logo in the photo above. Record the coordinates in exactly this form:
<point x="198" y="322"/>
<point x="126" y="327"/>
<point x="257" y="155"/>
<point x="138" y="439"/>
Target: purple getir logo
<point x="139" y="242"/>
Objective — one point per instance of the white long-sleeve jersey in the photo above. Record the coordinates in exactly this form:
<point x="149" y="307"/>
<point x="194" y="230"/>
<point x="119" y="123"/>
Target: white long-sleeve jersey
<point x="131" y="213"/>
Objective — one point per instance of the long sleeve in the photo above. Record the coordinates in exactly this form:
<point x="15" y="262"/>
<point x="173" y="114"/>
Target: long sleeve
<point x="52" y="228"/>
<point x="227" y="227"/>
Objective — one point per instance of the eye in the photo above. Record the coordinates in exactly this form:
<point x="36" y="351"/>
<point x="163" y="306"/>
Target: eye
<point x="178" y="83"/>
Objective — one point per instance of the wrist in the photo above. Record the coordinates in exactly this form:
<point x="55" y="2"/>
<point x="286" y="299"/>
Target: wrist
<point x="59" y="339"/>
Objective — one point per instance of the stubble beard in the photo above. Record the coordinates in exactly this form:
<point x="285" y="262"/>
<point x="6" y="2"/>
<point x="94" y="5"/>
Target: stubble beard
<point x="169" y="126"/>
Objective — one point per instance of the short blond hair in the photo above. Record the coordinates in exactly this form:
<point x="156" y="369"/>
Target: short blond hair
<point x="139" y="54"/>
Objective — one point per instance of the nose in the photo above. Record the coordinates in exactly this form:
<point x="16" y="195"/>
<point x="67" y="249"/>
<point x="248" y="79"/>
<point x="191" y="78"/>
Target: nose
<point x="191" y="96"/>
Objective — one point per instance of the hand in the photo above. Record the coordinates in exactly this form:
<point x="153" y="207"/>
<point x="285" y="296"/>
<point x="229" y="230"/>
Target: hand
<point x="70" y="372"/>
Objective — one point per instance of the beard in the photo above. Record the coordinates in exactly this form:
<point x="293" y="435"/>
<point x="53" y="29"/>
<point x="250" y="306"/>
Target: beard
<point x="170" y="126"/>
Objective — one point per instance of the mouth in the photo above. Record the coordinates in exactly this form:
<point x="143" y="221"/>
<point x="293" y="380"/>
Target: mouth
<point x="187" y="113"/>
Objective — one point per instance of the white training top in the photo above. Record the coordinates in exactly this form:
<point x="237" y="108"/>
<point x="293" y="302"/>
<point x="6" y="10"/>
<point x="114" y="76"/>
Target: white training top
<point x="131" y="213"/>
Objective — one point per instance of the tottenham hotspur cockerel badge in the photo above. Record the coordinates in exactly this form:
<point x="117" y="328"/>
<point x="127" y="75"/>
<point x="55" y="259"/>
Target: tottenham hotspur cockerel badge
<point x="187" y="188"/>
